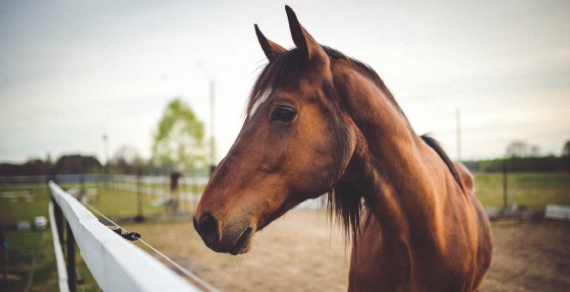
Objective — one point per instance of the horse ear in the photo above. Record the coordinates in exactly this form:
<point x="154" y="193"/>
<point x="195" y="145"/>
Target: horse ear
<point x="270" y="48"/>
<point x="303" y="40"/>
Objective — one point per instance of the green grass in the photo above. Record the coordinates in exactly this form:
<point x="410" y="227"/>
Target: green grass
<point x="24" y="202"/>
<point x="115" y="202"/>
<point x="530" y="190"/>
<point x="27" y="247"/>
<point x="119" y="203"/>
<point x="17" y="204"/>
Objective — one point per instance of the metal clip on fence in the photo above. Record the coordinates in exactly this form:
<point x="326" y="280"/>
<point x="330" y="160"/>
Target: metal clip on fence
<point x="130" y="236"/>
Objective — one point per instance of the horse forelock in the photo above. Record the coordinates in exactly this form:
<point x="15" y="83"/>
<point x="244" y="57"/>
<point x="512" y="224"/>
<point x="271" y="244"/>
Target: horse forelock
<point x="281" y="71"/>
<point x="286" y="67"/>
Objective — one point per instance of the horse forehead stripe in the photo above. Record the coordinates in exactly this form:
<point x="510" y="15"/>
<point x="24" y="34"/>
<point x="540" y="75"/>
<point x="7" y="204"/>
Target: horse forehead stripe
<point x="260" y="100"/>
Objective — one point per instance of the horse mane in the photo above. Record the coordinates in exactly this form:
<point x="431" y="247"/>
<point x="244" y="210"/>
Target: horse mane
<point x="345" y="199"/>
<point x="434" y="144"/>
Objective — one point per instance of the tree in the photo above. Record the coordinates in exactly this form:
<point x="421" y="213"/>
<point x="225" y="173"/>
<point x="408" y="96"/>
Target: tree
<point x="517" y="149"/>
<point x="77" y="164"/>
<point x="127" y="160"/>
<point x="534" y="151"/>
<point x="566" y="149"/>
<point x="178" y="143"/>
<point x="31" y="167"/>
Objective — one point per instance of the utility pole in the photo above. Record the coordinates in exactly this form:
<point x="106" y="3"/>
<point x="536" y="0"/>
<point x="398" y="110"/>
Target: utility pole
<point x="458" y="133"/>
<point x="212" y="159"/>
<point x="106" y="166"/>
<point x="139" y="217"/>
<point x="212" y="126"/>
<point x="505" y="182"/>
<point x="105" y="148"/>
<point x="212" y="120"/>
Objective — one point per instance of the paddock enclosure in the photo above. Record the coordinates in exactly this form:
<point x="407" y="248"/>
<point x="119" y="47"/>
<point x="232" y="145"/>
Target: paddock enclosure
<point x="528" y="255"/>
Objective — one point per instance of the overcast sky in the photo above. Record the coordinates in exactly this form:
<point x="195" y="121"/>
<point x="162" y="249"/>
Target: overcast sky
<point x="72" y="71"/>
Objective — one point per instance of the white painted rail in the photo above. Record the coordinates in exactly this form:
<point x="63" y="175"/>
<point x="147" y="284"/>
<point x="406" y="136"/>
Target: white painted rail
<point x="116" y="264"/>
<point x="558" y="212"/>
<point x="59" y="259"/>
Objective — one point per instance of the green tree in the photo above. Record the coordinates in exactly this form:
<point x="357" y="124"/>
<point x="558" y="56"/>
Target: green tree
<point x="178" y="143"/>
<point x="77" y="164"/>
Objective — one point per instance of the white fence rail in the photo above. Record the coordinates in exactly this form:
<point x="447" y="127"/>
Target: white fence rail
<point x="116" y="264"/>
<point x="59" y="258"/>
<point x="186" y="179"/>
<point x="557" y="212"/>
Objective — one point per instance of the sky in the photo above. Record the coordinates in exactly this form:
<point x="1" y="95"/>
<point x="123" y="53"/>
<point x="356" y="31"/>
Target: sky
<point x="74" y="71"/>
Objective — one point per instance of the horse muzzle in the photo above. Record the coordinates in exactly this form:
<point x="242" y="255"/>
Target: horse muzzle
<point x="230" y="238"/>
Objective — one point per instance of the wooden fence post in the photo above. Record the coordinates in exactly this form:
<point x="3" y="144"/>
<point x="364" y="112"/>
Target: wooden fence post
<point x="70" y="246"/>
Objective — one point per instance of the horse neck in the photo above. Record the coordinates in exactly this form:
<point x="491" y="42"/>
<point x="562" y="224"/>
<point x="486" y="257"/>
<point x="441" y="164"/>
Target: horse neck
<point x="394" y="170"/>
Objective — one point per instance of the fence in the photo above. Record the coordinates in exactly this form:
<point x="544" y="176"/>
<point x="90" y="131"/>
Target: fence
<point x="24" y="181"/>
<point x="557" y="212"/>
<point x="155" y="186"/>
<point x="116" y="264"/>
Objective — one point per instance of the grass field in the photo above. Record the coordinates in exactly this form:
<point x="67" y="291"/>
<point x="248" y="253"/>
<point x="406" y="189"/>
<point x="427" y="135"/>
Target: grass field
<point x="529" y="190"/>
<point x="31" y="258"/>
<point x="30" y="255"/>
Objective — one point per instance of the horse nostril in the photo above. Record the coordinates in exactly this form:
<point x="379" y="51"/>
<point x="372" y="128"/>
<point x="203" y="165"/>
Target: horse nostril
<point x="195" y="224"/>
<point x="207" y="227"/>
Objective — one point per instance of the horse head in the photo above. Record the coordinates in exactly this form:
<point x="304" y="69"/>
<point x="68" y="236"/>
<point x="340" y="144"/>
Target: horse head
<point x="294" y="145"/>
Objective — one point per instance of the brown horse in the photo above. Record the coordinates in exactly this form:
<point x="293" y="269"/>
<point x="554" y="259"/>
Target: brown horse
<point x="318" y="121"/>
<point x="373" y="267"/>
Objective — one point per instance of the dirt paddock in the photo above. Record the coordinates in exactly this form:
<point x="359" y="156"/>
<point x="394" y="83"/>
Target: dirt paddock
<point x="305" y="252"/>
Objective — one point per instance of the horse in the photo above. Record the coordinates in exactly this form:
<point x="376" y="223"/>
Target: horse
<point x="320" y="122"/>
<point x="372" y="252"/>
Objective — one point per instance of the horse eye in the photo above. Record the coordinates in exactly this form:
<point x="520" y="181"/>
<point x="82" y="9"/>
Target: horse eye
<point x="284" y="114"/>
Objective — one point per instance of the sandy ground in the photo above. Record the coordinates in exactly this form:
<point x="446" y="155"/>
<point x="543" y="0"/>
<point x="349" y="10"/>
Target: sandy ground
<point x="305" y="252"/>
<point x="530" y="256"/>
